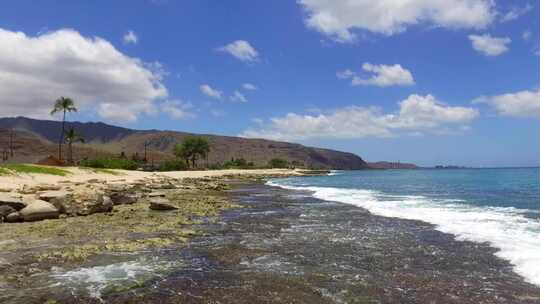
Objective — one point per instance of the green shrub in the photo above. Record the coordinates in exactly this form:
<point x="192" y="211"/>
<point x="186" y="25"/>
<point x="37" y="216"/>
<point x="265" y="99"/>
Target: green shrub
<point x="216" y="166"/>
<point x="110" y="163"/>
<point x="278" y="163"/>
<point x="238" y="163"/>
<point x="297" y="164"/>
<point x="173" y="165"/>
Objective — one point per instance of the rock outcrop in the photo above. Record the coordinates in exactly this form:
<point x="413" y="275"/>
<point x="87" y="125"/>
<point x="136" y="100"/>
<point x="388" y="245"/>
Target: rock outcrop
<point x="14" y="202"/>
<point x="161" y="204"/>
<point x="38" y="210"/>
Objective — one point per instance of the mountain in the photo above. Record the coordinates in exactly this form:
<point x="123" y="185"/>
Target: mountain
<point x="391" y="165"/>
<point x="36" y="139"/>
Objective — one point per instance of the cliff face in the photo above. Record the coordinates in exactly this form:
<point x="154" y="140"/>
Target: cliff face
<point x="106" y="139"/>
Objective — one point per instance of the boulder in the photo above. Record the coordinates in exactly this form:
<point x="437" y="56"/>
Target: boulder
<point x="12" y="201"/>
<point x="5" y="210"/>
<point x="161" y="204"/>
<point x="13" y="217"/>
<point x="61" y="200"/>
<point x="98" y="203"/>
<point x="38" y="210"/>
<point x="49" y="195"/>
<point x="121" y="198"/>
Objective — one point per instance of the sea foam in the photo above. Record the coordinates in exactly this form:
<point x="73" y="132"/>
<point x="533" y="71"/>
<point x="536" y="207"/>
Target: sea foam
<point x="508" y="229"/>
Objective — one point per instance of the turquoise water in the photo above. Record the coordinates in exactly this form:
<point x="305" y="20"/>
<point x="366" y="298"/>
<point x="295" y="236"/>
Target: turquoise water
<point x="498" y="206"/>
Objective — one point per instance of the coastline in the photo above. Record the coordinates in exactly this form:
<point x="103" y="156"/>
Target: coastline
<point x="111" y="223"/>
<point x="83" y="175"/>
<point x="235" y="239"/>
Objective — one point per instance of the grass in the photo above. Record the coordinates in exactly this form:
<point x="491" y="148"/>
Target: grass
<point x="110" y="163"/>
<point x="23" y="168"/>
<point x="4" y="171"/>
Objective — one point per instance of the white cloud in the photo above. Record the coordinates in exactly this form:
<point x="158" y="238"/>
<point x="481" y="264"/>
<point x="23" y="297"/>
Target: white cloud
<point x="339" y="19"/>
<point x="490" y="46"/>
<point x="249" y="87"/>
<point x="416" y="115"/>
<point x="241" y="50"/>
<point x="381" y="75"/>
<point x="35" y="71"/>
<point x="130" y="37"/>
<point x="516" y="12"/>
<point x="176" y="109"/>
<point x="210" y="92"/>
<point x="238" y="97"/>
<point x="518" y="104"/>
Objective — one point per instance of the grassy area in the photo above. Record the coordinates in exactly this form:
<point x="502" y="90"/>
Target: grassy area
<point x="23" y="168"/>
<point x="4" y="171"/>
<point x="110" y="163"/>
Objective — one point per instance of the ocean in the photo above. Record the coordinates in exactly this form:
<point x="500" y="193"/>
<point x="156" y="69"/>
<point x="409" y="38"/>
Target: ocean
<point x="500" y="207"/>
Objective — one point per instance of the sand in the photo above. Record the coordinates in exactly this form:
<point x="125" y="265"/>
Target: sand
<point x="79" y="175"/>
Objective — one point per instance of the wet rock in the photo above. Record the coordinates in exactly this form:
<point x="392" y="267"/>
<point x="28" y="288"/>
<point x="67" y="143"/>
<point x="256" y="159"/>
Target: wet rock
<point x="12" y="201"/>
<point x="157" y="194"/>
<point x="13" y="217"/>
<point x="97" y="203"/>
<point x="161" y="204"/>
<point x="5" y="210"/>
<point x="38" y="210"/>
<point x="124" y="198"/>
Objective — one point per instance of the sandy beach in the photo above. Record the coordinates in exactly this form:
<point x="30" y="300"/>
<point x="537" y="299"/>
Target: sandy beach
<point x="80" y="175"/>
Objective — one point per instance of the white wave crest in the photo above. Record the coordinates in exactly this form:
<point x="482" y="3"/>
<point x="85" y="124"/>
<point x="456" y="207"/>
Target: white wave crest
<point x="95" y="279"/>
<point x="507" y="229"/>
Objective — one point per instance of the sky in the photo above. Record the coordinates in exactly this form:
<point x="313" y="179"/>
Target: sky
<point x="452" y="82"/>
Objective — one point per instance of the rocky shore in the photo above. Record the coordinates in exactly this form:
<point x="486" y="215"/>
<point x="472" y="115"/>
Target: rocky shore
<point x="229" y="238"/>
<point x="76" y="224"/>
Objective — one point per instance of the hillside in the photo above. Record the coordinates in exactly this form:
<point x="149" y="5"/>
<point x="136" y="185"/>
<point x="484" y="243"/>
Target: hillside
<point x="36" y="140"/>
<point x="391" y="165"/>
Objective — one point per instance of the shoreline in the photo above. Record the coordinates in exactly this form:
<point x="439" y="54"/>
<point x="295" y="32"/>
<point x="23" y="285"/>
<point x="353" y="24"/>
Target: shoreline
<point x="403" y="260"/>
<point x="450" y="220"/>
<point x="105" y="222"/>
<point x="83" y="175"/>
<point x="258" y="242"/>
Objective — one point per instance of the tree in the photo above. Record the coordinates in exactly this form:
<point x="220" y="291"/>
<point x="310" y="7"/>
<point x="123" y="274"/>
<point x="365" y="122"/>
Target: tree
<point x="278" y="163"/>
<point x="72" y="137"/>
<point x="63" y="105"/>
<point x="192" y="149"/>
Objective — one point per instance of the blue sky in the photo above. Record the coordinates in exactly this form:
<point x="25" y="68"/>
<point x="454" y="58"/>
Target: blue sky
<point x="447" y="82"/>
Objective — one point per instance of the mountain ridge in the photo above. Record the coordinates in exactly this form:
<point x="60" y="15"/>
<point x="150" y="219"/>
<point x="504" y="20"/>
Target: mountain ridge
<point x="108" y="139"/>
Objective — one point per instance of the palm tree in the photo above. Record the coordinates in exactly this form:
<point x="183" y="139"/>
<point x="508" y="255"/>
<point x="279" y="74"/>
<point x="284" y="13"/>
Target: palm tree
<point x="72" y="137"/>
<point x="64" y="105"/>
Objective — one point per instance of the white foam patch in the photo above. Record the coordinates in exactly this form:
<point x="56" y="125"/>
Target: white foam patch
<point x="507" y="229"/>
<point x="335" y="172"/>
<point x="95" y="279"/>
